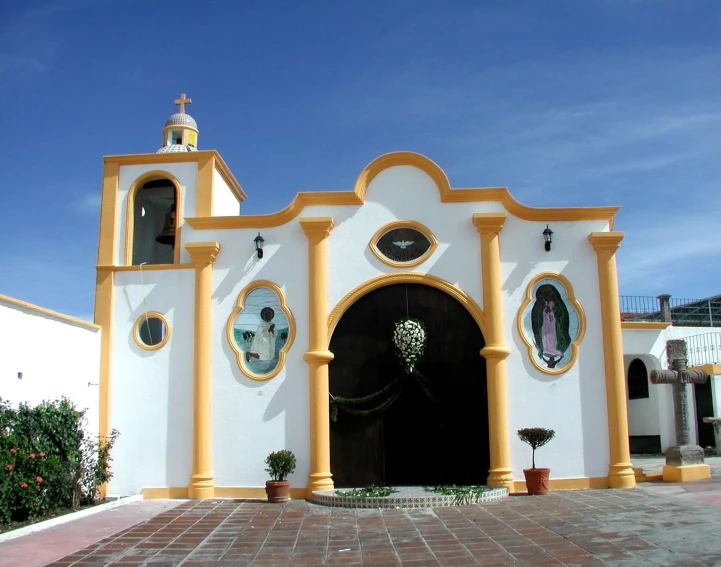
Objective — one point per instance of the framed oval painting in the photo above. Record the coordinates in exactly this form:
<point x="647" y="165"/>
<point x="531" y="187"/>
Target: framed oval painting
<point x="261" y="330"/>
<point x="551" y="322"/>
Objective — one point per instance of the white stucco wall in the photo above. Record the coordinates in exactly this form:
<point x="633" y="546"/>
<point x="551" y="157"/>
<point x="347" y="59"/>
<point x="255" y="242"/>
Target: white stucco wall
<point x="224" y="202"/>
<point x="151" y="392"/>
<point x="257" y="417"/>
<point x="654" y="415"/>
<point x="56" y="357"/>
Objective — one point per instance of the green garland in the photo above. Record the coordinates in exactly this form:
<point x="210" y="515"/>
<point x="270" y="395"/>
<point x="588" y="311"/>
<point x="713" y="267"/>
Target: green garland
<point x="464" y="495"/>
<point x="345" y="404"/>
<point x="371" y="491"/>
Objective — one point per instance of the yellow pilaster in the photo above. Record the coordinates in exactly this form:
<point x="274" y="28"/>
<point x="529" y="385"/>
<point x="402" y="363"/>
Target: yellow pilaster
<point x="318" y="356"/>
<point x="201" y="480"/>
<point x="620" y="472"/>
<point x="489" y="226"/>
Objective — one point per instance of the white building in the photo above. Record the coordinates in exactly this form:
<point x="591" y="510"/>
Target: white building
<point x="225" y="336"/>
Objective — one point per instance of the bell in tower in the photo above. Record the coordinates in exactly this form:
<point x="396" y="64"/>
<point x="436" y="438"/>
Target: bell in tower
<point x="167" y="235"/>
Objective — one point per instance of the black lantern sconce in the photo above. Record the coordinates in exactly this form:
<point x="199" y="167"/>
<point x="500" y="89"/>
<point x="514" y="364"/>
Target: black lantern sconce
<point x="547" y="236"/>
<point x="259" y="240"/>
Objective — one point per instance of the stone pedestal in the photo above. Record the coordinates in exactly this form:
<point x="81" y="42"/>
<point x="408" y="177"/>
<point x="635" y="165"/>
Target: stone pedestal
<point x="684" y="463"/>
<point x="716" y="422"/>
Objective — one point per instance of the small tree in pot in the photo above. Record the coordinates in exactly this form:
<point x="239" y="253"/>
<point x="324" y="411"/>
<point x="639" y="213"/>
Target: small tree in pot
<point x="536" y="479"/>
<point x="279" y="464"/>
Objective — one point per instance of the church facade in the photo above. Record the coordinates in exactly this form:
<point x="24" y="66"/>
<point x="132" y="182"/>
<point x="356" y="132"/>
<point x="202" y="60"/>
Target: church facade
<point x="399" y="332"/>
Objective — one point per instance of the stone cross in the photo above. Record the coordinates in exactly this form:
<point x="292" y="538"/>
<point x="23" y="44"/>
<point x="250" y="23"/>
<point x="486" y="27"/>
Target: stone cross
<point x="182" y="101"/>
<point x="685" y="452"/>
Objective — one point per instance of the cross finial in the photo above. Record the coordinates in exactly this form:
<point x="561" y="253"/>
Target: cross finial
<point x="182" y="101"/>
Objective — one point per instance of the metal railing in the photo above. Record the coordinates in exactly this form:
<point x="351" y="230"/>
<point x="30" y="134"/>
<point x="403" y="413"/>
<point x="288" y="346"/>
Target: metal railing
<point x="679" y="312"/>
<point x="704" y="349"/>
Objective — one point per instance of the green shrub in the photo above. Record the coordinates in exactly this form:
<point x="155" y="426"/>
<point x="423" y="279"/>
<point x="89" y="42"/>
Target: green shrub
<point x="47" y="460"/>
<point x="280" y="464"/>
<point x="535" y="437"/>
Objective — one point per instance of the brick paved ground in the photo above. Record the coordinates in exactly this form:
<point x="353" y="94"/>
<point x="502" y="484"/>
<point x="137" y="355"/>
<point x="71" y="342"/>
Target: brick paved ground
<point x="661" y="524"/>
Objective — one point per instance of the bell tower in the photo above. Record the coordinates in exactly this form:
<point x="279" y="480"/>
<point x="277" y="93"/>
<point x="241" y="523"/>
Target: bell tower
<point x="180" y="133"/>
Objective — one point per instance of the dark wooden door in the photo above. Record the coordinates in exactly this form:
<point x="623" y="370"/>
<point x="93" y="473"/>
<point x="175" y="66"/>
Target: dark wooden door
<point x="704" y="408"/>
<point x="418" y="440"/>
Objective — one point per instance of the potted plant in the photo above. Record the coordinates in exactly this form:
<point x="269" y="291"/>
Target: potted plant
<point x="279" y="465"/>
<point x="536" y="479"/>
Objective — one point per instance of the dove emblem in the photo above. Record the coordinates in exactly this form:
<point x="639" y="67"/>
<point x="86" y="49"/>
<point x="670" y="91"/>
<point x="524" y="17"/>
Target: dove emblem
<point x="403" y="244"/>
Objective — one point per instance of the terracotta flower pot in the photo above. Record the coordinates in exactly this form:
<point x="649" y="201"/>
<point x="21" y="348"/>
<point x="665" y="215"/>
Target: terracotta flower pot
<point x="277" y="490"/>
<point x="537" y="480"/>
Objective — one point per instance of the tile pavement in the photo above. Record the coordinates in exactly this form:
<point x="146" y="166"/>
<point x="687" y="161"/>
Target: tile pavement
<point x="655" y="524"/>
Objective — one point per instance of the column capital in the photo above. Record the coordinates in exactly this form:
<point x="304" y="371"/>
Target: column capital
<point x="318" y="227"/>
<point x="203" y="252"/>
<point x="489" y="222"/>
<point x="605" y="241"/>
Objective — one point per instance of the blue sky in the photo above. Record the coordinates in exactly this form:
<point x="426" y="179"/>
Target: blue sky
<point x="593" y="102"/>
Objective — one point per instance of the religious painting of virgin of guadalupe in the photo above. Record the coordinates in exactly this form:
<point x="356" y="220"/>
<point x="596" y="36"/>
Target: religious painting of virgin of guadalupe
<point x="551" y="323"/>
<point x="260" y="330"/>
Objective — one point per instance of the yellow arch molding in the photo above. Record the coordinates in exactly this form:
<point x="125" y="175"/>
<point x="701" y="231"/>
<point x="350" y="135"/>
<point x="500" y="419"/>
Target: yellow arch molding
<point x="130" y="212"/>
<point x="581" y="322"/>
<point x="229" y="328"/>
<point x="448" y="195"/>
<point x="407" y="277"/>
<point x="373" y="244"/>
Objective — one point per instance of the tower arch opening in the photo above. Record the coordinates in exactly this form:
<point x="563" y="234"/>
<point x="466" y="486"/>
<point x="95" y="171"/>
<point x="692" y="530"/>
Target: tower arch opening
<point x="153" y="221"/>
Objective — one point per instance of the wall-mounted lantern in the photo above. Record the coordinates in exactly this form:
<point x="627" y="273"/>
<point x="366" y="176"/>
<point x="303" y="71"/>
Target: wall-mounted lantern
<point x="547" y="236"/>
<point x="259" y="240"/>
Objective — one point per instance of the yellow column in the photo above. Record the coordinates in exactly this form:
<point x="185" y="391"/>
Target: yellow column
<point x="201" y="480"/>
<point x="620" y="473"/>
<point x="318" y="356"/>
<point x="489" y="226"/>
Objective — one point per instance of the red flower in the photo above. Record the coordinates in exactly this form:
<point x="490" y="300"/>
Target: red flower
<point x="31" y="455"/>
<point x="24" y="485"/>
<point x="9" y="467"/>
<point x="42" y="454"/>
<point x="13" y="450"/>
<point x="38" y="479"/>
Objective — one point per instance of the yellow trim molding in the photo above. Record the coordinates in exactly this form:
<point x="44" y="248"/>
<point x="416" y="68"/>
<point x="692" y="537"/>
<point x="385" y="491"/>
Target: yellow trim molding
<point x="250" y="492"/>
<point x="104" y="284"/>
<point x="203" y="255"/>
<point x="130" y="211"/>
<point x="710" y="369"/>
<point x="371" y="171"/>
<point x="49" y="313"/>
<point x="204" y="186"/>
<point x="567" y="483"/>
<point x="182" y="157"/>
<point x="645" y="325"/>
<point x="373" y="244"/>
<point x="318" y="356"/>
<point x="620" y="469"/>
<point x="146" y="268"/>
<point x="686" y="473"/>
<point x="136" y="330"/>
<point x="489" y="226"/>
<point x="406" y="277"/>
<point x="528" y="299"/>
<point x="230" y="328"/>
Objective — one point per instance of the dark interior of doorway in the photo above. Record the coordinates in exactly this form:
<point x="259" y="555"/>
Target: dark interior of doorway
<point x="704" y="408"/>
<point x="417" y="441"/>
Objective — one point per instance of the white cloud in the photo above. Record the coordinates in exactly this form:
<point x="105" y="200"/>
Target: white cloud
<point x="87" y="204"/>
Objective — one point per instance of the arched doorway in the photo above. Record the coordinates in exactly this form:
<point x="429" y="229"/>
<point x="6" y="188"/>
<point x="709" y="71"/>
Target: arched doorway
<point x="437" y="434"/>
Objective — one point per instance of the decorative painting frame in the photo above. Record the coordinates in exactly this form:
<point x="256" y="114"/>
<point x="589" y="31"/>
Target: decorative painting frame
<point x="243" y="340"/>
<point x="373" y="244"/>
<point x="136" y="330"/>
<point x="551" y="322"/>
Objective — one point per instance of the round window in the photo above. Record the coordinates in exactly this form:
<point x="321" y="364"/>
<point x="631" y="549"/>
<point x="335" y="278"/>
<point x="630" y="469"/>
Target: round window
<point x="403" y="243"/>
<point x="151" y="331"/>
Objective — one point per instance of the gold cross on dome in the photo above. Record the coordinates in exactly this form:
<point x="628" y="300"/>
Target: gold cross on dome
<point x="182" y="101"/>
